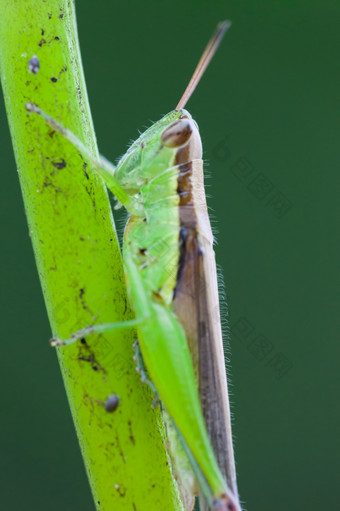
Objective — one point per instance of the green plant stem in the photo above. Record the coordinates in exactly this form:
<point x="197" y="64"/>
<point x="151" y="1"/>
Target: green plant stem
<point x="78" y="259"/>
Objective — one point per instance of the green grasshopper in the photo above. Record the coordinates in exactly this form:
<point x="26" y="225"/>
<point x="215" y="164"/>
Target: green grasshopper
<point x="171" y="280"/>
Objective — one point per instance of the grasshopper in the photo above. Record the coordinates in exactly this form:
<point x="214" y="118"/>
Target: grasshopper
<point x="171" y="281"/>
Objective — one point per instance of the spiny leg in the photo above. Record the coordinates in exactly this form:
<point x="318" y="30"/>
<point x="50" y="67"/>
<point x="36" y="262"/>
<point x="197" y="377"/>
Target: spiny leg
<point x="96" y="329"/>
<point x="102" y="166"/>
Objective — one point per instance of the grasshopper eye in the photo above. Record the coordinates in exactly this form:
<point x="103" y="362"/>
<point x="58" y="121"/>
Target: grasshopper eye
<point x="177" y="134"/>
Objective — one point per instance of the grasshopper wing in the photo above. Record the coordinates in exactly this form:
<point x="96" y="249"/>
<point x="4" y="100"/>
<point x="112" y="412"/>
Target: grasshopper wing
<point x="196" y="303"/>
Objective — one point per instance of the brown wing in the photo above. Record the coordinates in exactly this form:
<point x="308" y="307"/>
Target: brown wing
<point x="196" y="304"/>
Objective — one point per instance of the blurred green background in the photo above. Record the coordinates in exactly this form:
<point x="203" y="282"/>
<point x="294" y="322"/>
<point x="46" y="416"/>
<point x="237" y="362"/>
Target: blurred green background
<point x="267" y="115"/>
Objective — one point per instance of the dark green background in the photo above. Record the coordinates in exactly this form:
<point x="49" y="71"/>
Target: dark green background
<point x="266" y="111"/>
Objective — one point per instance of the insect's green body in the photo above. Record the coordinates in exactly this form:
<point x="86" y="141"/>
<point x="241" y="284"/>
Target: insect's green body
<point x="148" y="174"/>
<point x="151" y="258"/>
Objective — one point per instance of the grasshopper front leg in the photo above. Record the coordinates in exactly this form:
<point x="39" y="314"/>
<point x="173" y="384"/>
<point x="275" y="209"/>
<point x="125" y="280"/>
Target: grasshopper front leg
<point x="104" y="168"/>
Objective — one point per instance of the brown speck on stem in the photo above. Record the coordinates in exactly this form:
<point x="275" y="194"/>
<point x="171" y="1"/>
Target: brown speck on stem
<point x="59" y="164"/>
<point x="84" y="169"/>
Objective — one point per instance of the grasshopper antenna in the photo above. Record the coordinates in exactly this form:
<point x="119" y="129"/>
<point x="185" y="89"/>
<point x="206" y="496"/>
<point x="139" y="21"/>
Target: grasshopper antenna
<point x="207" y="55"/>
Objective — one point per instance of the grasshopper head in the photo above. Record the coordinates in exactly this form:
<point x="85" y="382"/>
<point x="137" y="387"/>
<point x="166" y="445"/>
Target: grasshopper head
<point x="172" y="140"/>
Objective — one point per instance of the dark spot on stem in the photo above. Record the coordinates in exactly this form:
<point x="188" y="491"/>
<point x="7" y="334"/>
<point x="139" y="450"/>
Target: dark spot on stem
<point x="84" y="169"/>
<point x="59" y="164"/>
<point x="89" y="358"/>
<point x="34" y="65"/>
<point x="54" y="79"/>
<point x="112" y="402"/>
<point x="131" y="436"/>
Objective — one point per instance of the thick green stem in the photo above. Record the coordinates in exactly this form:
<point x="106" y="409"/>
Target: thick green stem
<point x="78" y="259"/>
